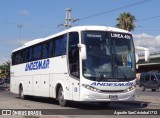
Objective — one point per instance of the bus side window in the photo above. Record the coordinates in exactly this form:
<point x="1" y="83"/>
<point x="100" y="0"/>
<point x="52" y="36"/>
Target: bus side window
<point x="63" y="45"/>
<point x="60" y="45"/>
<point x="50" y="49"/>
<point x="37" y="52"/>
<point x="30" y="54"/>
<point x="13" y="58"/>
<point x="73" y="54"/>
<point x="45" y="50"/>
<point x="26" y="55"/>
<point x="19" y="57"/>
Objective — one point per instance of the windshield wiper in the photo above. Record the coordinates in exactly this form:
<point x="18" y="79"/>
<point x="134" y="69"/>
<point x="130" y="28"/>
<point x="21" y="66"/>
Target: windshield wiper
<point x="124" y="75"/>
<point x="100" y="78"/>
<point x="115" y="67"/>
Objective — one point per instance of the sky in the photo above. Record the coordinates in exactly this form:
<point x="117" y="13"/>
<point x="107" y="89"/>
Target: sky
<point x="25" y="20"/>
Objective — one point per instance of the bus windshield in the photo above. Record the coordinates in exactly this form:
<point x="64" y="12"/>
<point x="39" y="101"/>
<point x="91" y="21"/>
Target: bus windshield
<point x="110" y="56"/>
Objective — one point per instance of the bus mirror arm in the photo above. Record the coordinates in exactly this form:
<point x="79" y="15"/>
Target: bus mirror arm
<point x="82" y="48"/>
<point x="146" y="52"/>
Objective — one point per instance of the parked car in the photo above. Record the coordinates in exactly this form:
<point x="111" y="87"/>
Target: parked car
<point x="149" y="80"/>
<point x="7" y="80"/>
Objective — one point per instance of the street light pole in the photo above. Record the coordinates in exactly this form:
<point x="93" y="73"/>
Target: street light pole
<point x="20" y="28"/>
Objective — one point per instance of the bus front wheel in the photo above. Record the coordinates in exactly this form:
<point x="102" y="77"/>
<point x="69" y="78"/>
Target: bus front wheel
<point x="21" y="94"/>
<point x="61" y="100"/>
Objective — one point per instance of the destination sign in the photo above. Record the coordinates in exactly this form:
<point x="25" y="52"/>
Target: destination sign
<point x="94" y="35"/>
<point x="118" y="35"/>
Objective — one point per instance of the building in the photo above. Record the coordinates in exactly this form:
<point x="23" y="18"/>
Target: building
<point x="152" y="65"/>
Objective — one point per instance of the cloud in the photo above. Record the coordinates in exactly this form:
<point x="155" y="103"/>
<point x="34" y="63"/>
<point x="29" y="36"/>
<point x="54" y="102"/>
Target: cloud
<point x="148" y="41"/>
<point x="143" y="35"/>
<point x="24" y="12"/>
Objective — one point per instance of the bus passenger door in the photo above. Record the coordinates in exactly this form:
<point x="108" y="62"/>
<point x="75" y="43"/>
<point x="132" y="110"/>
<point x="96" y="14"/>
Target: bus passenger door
<point x="73" y="59"/>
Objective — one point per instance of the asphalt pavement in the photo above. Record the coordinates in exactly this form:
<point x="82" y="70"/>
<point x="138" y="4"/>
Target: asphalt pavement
<point x="143" y="100"/>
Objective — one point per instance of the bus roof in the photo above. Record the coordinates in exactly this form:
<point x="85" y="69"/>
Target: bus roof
<point x="77" y="28"/>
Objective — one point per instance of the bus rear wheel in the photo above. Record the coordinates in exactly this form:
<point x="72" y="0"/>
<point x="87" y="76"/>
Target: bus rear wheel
<point x="61" y="100"/>
<point x="21" y="94"/>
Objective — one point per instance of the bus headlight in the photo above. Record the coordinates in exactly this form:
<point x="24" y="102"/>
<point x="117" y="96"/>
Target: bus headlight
<point x="131" y="88"/>
<point x="90" y="88"/>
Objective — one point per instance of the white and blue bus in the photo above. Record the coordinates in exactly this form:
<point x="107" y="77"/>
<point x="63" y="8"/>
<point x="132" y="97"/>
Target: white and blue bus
<point x="83" y="63"/>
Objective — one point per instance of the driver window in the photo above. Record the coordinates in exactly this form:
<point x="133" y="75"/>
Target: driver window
<point x="73" y="54"/>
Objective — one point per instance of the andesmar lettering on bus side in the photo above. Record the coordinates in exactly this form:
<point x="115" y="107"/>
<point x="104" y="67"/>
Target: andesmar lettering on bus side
<point x="111" y="84"/>
<point x="37" y="65"/>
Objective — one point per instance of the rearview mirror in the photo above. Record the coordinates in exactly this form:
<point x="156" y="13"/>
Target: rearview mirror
<point x="82" y="48"/>
<point x="146" y="52"/>
<point x="137" y="57"/>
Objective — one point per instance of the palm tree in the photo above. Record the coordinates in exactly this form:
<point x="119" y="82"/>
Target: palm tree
<point x="126" y="21"/>
<point x="6" y="67"/>
<point x="2" y="72"/>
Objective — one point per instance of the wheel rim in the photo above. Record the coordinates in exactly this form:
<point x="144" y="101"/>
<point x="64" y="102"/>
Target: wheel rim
<point x="61" y="96"/>
<point x="21" y="93"/>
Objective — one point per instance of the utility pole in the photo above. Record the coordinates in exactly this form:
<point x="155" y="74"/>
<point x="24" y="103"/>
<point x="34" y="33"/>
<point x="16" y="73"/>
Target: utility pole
<point x="68" y="19"/>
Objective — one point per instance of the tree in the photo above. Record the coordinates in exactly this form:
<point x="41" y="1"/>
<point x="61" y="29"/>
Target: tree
<point x="6" y="68"/>
<point x="126" y="21"/>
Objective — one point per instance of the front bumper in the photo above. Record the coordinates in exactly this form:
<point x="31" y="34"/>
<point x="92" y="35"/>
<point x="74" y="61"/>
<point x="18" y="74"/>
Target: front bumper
<point x="87" y="95"/>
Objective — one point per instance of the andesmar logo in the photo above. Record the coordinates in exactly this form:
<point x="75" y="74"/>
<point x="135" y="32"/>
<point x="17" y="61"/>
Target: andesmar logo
<point x="111" y="84"/>
<point x="37" y="65"/>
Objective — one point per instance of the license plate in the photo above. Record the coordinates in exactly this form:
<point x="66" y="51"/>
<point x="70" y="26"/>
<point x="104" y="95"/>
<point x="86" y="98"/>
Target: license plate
<point x="113" y="97"/>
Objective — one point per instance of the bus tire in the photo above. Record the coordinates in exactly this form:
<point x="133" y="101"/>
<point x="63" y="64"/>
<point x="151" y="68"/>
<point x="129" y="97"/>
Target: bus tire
<point x="61" y="100"/>
<point x="21" y="94"/>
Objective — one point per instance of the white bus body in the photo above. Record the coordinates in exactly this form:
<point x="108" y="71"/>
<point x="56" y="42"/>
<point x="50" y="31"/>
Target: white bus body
<point x="84" y="63"/>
